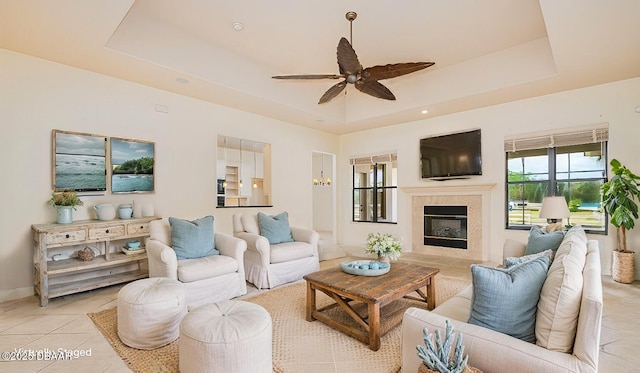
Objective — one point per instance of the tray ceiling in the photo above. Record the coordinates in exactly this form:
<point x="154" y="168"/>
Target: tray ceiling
<point x="486" y="52"/>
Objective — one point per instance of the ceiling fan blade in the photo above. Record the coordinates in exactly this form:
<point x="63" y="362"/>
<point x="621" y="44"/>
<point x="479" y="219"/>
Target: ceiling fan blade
<point x="309" y="76"/>
<point x="392" y="70"/>
<point x="332" y="92"/>
<point x="375" y="89"/>
<point x="347" y="58"/>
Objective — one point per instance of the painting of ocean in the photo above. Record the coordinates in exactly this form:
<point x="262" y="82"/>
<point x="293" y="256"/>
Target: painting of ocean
<point x="129" y="183"/>
<point x="80" y="172"/>
<point x="80" y="161"/>
<point x="132" y="163"/>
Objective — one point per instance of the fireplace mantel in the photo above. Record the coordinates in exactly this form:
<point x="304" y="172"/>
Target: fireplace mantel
<point x="448" y="189"/>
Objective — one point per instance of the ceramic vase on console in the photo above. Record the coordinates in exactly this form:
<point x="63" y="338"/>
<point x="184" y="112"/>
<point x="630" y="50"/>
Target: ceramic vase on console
<point x="65" y="202"/>
<point x="65" y="214"/>
<point x="147" y="209"/>
<point x="125" y="211"/>
<point x="105" y="211"/>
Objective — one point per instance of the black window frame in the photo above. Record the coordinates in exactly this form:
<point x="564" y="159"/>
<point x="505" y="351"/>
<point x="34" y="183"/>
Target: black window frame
<point x="552" y="185"/>
<point x="375" y="189"/>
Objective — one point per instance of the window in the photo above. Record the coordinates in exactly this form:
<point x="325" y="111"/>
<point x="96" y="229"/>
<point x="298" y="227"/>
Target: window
<point x="375" y="191"/>
<point x="572" y="165"/>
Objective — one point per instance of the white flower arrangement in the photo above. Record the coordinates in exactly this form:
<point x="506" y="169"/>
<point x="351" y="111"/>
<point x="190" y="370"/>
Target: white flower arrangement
<point x="383" y="244"/>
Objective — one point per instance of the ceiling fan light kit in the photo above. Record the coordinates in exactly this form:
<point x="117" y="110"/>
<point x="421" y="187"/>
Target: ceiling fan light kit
<point x="365" y="80"/>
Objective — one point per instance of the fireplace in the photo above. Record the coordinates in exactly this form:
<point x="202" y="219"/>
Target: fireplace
<point x="445" y="226"/>
<point x="475" y="199"/>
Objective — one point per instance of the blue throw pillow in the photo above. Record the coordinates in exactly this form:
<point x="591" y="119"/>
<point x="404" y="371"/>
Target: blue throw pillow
<point x="516" y="260"/>
<point x="275" y="228"/>
<point x="193" y="239"/>
<point x="506" y="300"/>
<point x="539" y="240"/>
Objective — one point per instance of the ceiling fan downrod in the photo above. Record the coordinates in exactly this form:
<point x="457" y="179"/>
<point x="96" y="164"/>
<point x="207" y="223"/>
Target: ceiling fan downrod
<point x="351" y="16"/>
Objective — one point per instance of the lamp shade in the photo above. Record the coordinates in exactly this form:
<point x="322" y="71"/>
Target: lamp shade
<point x="554" y="208"/>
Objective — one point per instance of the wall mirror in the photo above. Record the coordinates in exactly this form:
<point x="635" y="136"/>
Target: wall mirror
<point x="243" y="172"/>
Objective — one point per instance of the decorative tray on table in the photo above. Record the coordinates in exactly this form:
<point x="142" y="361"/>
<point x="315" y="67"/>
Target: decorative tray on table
<point x="365" y="267"/>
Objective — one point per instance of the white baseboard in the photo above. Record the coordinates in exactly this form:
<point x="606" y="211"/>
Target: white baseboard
<point x="13" y="294"/>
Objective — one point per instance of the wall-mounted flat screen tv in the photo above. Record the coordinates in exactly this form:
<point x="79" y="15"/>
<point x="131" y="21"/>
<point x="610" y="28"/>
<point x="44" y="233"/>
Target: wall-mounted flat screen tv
<point x="456" y="155"/>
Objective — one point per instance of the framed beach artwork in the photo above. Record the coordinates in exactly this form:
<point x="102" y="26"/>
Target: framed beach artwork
<point x="79" y="161"/>
<point x="132" y="166"/>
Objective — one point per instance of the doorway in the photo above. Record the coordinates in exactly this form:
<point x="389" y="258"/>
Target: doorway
<point x="324" y="204"/>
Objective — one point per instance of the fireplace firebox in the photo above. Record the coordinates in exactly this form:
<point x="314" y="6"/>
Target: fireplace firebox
<point x="445" y="226"/>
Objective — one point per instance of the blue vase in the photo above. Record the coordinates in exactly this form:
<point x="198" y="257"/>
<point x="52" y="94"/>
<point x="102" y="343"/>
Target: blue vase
<point x="65" y="215"/>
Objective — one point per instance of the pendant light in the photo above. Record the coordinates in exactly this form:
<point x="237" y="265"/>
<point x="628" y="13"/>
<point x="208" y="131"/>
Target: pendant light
<point x="322" y="181"/>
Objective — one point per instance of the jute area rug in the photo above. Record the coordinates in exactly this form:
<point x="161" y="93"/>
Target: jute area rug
<point x="297" y="343"/>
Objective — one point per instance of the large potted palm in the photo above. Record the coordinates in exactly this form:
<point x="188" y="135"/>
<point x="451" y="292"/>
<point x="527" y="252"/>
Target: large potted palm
<point x="619" y="196"/>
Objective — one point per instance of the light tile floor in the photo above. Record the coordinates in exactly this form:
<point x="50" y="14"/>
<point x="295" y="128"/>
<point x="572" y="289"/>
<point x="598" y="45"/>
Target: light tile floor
<point x="63" y="325"/>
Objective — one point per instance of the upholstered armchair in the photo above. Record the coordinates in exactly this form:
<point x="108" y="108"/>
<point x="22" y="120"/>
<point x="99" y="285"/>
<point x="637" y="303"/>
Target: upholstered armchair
<point x="276" y="253"/>
<point x="211" y="275"/>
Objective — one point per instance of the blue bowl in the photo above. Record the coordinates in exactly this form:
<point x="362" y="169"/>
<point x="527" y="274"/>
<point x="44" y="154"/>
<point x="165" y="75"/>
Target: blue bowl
<point x="362" y="268"/>
<point x="133" y="244"/>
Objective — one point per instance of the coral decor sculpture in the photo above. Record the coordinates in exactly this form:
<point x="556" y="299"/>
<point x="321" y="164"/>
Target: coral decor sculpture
<point x="438" y="356"/>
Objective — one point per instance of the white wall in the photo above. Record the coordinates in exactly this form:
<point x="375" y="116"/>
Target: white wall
<point x="37" y="96"/>
<point x="614" y="103"/>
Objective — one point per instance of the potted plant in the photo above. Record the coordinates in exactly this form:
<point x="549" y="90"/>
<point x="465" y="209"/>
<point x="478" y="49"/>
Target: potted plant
<point x="619" y="196"/>
<point x="384" y="245"/>
<point x="65" y="201"/>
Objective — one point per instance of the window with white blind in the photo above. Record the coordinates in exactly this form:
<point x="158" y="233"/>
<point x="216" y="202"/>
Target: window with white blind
<point x="571" y="163"/>
<point x="375" y="188"/>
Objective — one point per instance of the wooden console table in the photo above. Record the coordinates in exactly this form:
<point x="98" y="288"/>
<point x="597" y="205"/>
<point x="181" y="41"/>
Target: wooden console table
<point x="56" y="278"/>
<point x="375" y="292"/>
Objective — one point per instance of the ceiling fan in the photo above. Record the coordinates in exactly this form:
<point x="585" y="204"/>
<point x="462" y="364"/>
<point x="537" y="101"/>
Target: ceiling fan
<point x="365" y="80"/>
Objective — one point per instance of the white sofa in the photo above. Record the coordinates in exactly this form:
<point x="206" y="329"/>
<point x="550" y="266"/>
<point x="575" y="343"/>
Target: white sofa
<point x="208" y="279"/>
<point x="495" y="352"/>
<point x="267" y="266"/>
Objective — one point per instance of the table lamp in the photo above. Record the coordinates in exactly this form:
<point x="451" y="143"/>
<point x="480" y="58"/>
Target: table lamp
<point x="554" y="209"/>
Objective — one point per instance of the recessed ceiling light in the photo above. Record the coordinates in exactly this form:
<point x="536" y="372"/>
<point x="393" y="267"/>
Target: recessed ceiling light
<point x="425" y="111"/>
<point x="238" y="26"/>
<point x="182" y="80"/>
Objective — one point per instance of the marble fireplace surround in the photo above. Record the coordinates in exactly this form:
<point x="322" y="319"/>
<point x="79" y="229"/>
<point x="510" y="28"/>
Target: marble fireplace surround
<point x="477" y="198"/>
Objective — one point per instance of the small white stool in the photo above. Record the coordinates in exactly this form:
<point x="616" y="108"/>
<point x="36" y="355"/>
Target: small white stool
<point x="228" y="336"/>
<point x="150" y="311"/>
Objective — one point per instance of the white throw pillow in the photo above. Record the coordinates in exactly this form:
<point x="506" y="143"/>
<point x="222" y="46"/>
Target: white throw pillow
<point x="559" y="305"/>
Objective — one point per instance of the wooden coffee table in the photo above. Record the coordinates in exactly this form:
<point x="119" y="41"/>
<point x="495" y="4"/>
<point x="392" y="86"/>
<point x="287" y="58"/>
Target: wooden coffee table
<point x="375" y="292"/>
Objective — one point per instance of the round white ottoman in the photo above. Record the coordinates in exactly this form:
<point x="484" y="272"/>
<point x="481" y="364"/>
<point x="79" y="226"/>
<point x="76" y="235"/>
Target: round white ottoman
<point x="150" y="311"/>
<point x="228" y="336"/>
